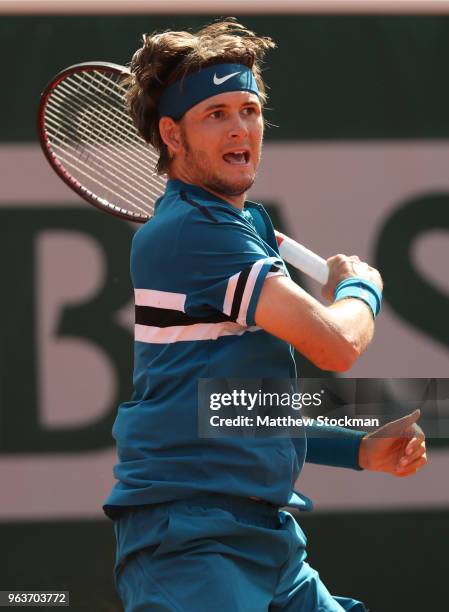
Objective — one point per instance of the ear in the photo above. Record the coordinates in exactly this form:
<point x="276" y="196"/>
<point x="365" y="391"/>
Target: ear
<point x="170" y="132"/>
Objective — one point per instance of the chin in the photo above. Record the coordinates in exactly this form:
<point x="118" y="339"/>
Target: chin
<point x="236" y="185"/>
<point x="234" y="188"/>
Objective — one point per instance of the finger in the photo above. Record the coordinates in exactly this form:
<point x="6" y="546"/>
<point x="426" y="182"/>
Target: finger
<point x="404" y="475"/>
<point x="412" y="467"/>
<point x="407" y="461"/>
<point x="414" y="446"/>
<point x="339" y="258"/>
<point x="360" y="267"/>
<point x="416" y="433"/>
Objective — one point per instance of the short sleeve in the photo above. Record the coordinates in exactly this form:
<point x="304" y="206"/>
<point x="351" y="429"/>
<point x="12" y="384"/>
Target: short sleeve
<point x="227" y="262"/>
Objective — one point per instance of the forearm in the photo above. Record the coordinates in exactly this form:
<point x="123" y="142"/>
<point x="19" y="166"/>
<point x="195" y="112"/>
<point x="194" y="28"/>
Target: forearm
<point x="331" y="337"/>
<point x="355" y="321"/>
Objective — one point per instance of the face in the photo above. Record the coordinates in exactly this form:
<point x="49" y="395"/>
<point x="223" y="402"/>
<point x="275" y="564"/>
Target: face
<point x="221" y="140"/>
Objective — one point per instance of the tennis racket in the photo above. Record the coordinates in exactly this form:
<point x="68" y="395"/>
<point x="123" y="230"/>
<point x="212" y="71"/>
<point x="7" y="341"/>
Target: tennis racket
<point x="90" y="141"/>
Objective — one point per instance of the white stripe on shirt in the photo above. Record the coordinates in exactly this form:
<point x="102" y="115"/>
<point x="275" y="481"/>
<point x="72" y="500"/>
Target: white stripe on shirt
<point x="184" y="333"/>
<point x="160" y="299"/>
<point x="249" y="287"/>
<point x="230" y="291"/>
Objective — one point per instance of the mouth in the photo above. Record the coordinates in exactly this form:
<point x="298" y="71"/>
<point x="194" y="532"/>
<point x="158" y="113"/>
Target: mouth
<point x="240" y="157"/>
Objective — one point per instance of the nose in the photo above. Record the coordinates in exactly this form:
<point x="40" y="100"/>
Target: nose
<point x="238" y="127"/>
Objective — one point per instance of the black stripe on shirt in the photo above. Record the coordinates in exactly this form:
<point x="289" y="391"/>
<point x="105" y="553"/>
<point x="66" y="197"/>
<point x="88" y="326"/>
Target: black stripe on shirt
<point x="276" y="268"/>
<point x="165" y="317"/>
<point x="240" y="288"/>
<point x="206" y="212"/>
<point x="238" y="293"/>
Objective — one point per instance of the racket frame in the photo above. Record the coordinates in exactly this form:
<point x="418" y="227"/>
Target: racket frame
<point x="52" y="158"/>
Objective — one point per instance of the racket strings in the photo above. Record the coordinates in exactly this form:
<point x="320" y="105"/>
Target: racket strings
<point x="80" y="167"/>
<point x="92" y="134"/>
<point x="118" y="155"/>
<point x="107" y="188"/>
<point x="88" y="88"/>
<point x="117" y="89"/>
<point x="105" y="126"/>
<point x="65" y="120"/>
<point x="75" y="161"/>
<point x="116" y="112"/>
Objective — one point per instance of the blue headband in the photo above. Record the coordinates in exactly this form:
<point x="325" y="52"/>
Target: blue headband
<point x="198" y="86"/>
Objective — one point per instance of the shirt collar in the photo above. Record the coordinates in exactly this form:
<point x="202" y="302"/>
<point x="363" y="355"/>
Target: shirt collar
<point x="175" y="186"/>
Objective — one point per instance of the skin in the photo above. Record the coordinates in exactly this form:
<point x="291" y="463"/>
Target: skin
<point x="398" y="448"/>
<point x="332" y="337"/>
<point x="221" y="124"/>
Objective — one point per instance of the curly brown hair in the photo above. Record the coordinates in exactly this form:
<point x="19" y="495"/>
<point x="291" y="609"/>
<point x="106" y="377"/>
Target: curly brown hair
<point x="169" y="56"/>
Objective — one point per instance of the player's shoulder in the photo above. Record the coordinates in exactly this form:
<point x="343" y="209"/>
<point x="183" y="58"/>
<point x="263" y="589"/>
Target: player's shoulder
<point x="196" y="212"/>
<point x="188" y="216"/>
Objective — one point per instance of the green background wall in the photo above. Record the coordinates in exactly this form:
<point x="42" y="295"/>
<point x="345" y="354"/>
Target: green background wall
<point x="331" y="77"/>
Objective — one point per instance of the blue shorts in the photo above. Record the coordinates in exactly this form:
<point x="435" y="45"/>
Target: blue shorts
<point x="217" y="553"/>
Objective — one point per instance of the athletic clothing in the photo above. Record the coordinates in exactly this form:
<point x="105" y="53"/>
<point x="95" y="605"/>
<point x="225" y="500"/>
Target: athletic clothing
<point x="198" y="268"/>
<point x="189" y="539"/>
<point x="218" y="553"/>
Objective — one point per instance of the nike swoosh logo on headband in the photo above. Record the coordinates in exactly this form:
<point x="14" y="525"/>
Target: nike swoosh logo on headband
<point x="220" y="80"/>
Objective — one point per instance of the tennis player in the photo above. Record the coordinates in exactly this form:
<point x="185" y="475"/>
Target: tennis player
<point x="198" y="520"/>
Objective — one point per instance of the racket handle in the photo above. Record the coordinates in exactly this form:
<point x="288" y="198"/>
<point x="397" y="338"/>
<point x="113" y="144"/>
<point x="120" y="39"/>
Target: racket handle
<point x="303" y="259"/>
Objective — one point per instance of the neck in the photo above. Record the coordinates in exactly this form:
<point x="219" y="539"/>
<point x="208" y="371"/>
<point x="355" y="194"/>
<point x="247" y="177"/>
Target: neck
<point x="238" y="200"/>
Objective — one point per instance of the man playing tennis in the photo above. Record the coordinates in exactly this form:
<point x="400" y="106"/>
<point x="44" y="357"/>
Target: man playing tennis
<point x="198" y="520"/>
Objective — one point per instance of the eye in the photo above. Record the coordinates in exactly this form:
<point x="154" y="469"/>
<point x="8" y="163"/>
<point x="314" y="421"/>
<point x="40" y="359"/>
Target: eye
<point x="250" y="110"/>
<point x="217" y="114"/>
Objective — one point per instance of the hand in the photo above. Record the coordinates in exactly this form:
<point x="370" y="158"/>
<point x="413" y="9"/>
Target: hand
<point x="397" y="448"/>
<point x="342" y="267"/>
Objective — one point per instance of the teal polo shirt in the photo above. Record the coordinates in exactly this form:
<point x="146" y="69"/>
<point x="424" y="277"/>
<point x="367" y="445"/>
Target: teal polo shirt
<point x="198" y="268"/>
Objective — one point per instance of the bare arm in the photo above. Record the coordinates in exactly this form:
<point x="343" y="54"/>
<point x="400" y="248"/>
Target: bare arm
<point x="332" y="337"/>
